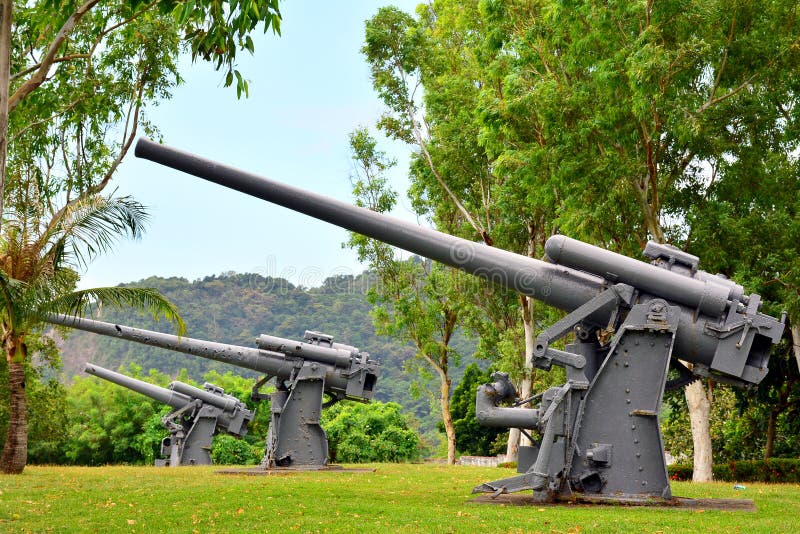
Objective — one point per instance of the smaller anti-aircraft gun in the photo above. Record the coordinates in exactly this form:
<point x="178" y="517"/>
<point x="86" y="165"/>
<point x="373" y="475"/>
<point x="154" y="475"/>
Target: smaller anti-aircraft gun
<point x="197" y="415"/>
<point x="305" y="372"/>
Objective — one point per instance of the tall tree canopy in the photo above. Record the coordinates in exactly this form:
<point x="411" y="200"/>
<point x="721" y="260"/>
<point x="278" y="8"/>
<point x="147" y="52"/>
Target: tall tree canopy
<point x="75" y="79"/>
<point x="614" y="123"/>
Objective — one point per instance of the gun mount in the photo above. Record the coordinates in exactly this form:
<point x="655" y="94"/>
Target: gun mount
<point x="197" y="415"/>
<point x="600" y="432"/>
<point x="304" y="373"/>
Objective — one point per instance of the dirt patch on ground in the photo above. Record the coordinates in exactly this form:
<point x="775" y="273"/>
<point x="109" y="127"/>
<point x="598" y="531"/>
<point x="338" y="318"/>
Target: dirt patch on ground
<point x="682" y="503"/>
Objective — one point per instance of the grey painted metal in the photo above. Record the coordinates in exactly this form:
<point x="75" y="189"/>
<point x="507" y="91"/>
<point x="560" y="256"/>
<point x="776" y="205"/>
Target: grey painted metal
<point x="630" y="320"/>
<point x="162" y="395"/>
<point x="710" y="298"/>
<point x="703" y="324"/>
<point x="210" y="394"/>
<point x="197" y="416"/>
<point x="355" y="380"/>
<point x="489" y="413"/>
<point x="304" y="372"/>
<point x="339" y="357"/>
<point x="297" y="435"/>
<point x="565" y="289"/>
<point x="602" y="437"/>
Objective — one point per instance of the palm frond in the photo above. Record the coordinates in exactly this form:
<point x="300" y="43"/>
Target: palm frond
<point x="146" y="300"/>
<point x="92" y="225"/>
<point x="10" y="292"/>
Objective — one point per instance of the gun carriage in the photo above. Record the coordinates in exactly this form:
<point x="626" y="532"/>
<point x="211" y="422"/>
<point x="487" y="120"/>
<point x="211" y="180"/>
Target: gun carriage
<point x="631" y="322"/>
<point x="197" y="415"/>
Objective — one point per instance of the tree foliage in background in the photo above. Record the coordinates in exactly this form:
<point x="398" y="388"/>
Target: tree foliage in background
<point x="472" y="438"/>
<point x="374" y="432"/>
<point x="75" y="78"/>
<point x="415" y="300"/>
<point x="614" y="123"/>
<point x="431" y="73"/>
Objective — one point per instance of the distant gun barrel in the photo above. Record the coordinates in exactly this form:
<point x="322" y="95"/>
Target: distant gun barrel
<point x="172" y="398"/>
<point x="348" y="375"/>
<point x="197" y="414"/>
<point x="336" y="355"/>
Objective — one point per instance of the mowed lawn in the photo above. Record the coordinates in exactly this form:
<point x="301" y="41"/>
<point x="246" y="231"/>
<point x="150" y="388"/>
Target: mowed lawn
<point x="394" y="498"/>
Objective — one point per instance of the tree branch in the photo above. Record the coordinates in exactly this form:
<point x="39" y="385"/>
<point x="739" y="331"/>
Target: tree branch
<point x="62" y="59"/>
<point x="47" y="61"/>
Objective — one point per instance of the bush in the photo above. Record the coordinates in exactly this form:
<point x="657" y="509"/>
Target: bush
<point x="228" y="450"/>
<point x="374" y="432"/>
<point x="774" y="470"/>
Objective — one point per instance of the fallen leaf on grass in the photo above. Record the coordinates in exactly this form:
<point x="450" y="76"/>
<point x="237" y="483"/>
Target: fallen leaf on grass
<point x="131" y="521"/>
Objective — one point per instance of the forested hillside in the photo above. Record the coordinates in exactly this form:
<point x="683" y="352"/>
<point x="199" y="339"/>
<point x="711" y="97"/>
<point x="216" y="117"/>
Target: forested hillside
<point x="236" y="308"/>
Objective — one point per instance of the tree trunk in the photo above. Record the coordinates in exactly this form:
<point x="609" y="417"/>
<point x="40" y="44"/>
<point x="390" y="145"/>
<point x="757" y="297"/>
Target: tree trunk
<point x="775" y="412"/>
<point x="699" y="403"/>
<point x="6" y="14"/>
<point x="527" y="383"/>
<point x="769" y="446"/>
<point x="512" y="448"/>
<point x="515" y="437"/>
<point x="795" y="329"/>
<point x="15" y="451"/>
<point x="447" y="419"/>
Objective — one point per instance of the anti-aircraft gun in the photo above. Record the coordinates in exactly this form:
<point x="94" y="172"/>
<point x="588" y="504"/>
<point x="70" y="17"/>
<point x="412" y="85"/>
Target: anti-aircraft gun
<point x="632" y="321"/>
<point x="197" y="415"/>
<point x="305" y="372"/>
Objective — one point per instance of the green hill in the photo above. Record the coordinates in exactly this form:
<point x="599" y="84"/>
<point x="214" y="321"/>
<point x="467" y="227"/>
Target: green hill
<point x="236" y="308"/>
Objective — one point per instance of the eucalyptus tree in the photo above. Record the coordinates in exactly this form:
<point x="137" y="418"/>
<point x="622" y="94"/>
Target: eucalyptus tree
<point x="643" y="110"/>
<point x="616" y="123"/>
<point x="427" y="70"/>
<point x="75" y="81"/>
<point x="415" y="300"/>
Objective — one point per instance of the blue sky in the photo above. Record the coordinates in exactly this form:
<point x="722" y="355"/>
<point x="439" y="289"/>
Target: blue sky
<point x="309" y="88"/>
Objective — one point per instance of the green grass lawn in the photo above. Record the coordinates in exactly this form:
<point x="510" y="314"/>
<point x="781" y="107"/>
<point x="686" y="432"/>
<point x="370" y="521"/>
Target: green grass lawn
<point x="395" y="498"/>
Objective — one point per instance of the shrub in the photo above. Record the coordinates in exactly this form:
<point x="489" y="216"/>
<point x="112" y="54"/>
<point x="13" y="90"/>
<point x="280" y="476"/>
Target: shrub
<point x="374" y="432"/>
<point x="228" y="450"/>
<point x="780" y="470"/>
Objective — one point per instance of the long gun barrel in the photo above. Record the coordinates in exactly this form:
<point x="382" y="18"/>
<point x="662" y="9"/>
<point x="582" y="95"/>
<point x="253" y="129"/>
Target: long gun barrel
<point x="713" y="310"/>
<point x="166" y="396"/>
<point x="349" y="374"/>
<point x="549" y="283"/>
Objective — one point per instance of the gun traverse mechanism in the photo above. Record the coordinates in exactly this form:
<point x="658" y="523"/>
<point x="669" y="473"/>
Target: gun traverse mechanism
<point x="304" y="373"/>
<point x="632" y="321"/>
<point x="197" y="415"/>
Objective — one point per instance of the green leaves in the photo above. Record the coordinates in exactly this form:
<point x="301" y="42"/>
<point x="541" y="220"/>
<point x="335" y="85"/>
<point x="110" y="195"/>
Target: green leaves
<point x="216" y="30"/>
<point x="374" y="432"/>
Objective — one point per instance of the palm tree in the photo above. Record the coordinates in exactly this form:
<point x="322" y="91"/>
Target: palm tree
<point x="41" y="249"/>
